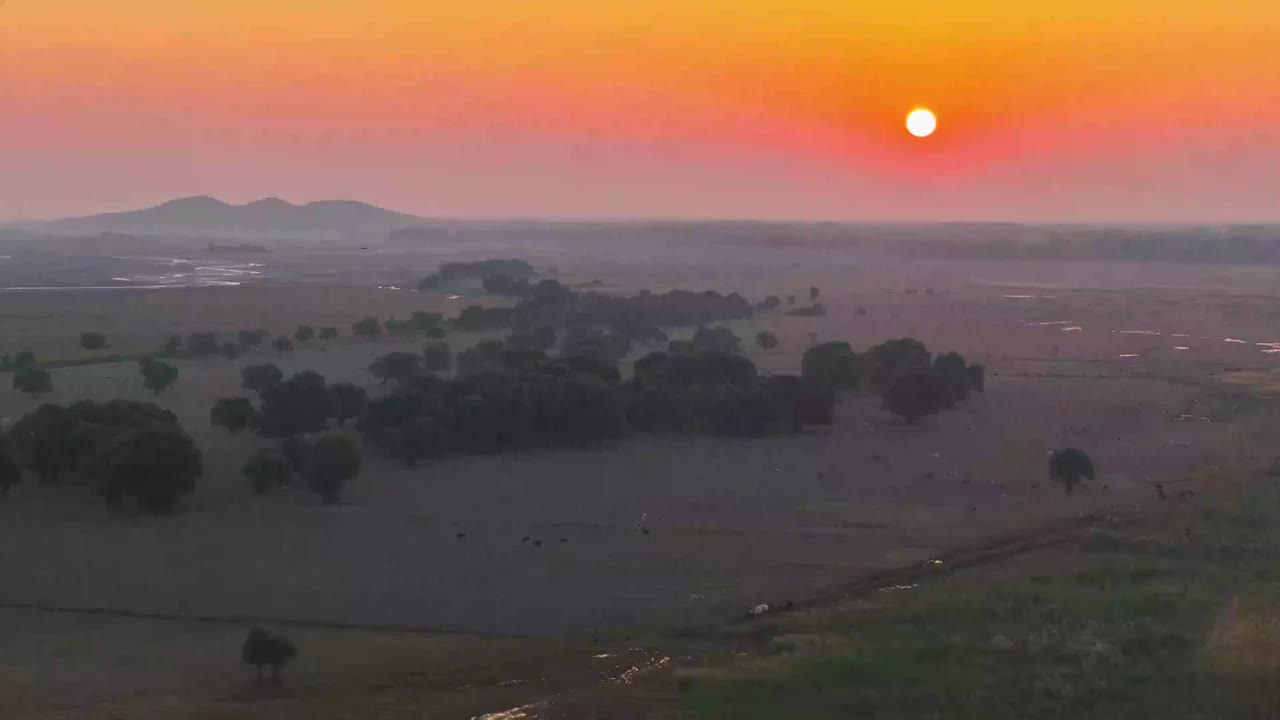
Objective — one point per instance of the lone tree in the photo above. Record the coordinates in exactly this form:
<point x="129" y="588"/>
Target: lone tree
<point x="259" y="377"/>
<point x="304" y="333"/>
<point x="157" y="374"/>
<point x="267" y="470"/>
<point x="32" y="380"/>
<point x="234" y="414"/>
<point x="347" y="400"/>
<point x="917" y="393"/>
<point x="398" y="366"/>
<point x="93" y="341"/>
<point x="328" y="332"/>
<point x="282" y="344"/>
<point x="437" y="357"/>
<point x="766" y="340"/>
<point x="264" y="649"/>
<point x="1070" y="466"/>
<point x="155" y="465"/>
<point x="366" y="327"/>
<point x="10" y="473"/>
<point x="334" y="459"/>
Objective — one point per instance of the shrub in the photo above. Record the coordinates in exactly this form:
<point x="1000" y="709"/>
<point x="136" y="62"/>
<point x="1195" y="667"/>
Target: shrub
<point x="234" y="414"/>
<point x="267" y="470"/>
<point x="93" y="341"/>
<point x="154" y="465"/>
<point x="333" y="460"/>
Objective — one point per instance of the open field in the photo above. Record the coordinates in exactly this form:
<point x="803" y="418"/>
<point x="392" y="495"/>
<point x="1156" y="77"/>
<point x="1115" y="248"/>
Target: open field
<point x="735" y="522"/>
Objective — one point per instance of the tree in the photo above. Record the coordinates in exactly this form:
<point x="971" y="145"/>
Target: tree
<point x="304" y="333"/>
<point x="917" y="393"/>
<point x="771" y="302"/>
<point x="416" y="440"/>
<point x="791" y="299"/>
<point x="259" y="377"/>
<point x="93" y="341"/>
<point x="295" y="449"/>
<point x="398" y="366"/>
<point x="262" y="648"/>
<point x="44" y="441"/>
<point x="32" y="380"/>
<point x="718" y="339"/>
<point x="24" y="359"/>
<point x="347" y="400"/>
<point x="766" y="340"/>
<point x="977" y="377"/>
<point x="251" y="338"/>
<point x="954" y="372"/>
<point x="230" y="350"/>
<point x="157" y="374"/>
<point x="366" y="327"/>
<point x="834" y="364"/>
<point x="1070" y="466"/>
<point x="328" y="332"/>
<point x="155" y="465"/>
<point x="234" y="414"/>
<point x="334" y="459"/>
<point x="282" y="344"/>
<point x="889" y="359"/>
<point x="172" y="345"/>
<point x="813" y="293"/>
<point x="436" y="333"/>
<point x="297" y="405"/>
<point x="10" y="473"/>
<point x="202" y="343"/>
<point x="437" y="357"/>
<point x="267" y="470"/>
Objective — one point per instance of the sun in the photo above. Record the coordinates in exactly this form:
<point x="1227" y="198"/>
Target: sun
<point x="921" y="122"/>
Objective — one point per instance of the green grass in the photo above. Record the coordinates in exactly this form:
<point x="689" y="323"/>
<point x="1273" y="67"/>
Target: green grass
<point x="1152" y="624"/>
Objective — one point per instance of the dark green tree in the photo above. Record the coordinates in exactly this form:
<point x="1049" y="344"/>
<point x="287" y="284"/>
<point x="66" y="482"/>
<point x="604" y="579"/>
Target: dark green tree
<point x="10" y="473"/>
<point x="230" y="350"/>
<point x="334" y="459"/>
<point x="1070" y="466"/>
<point x="304" y="333"/>
<point x="267" y="470"/>
<point x="917" y="393"/>
<point x="328" y="332"/>
<point x="766" y="340"/>
<point x="295" y="449"/>
<point x="157" y="374"/>
<point x="977" y="377"/>
<point x="260" y="376"/>
<point x="264" y="649"/>
<point x="834" y="364"/>
<point x="202" y="343"/>
<point x="24" y="359"/>
<point x="234" y="414"/>
<point x="300" y="404"/>
<point x="282" y="344"/>
<point x="954" y="372"/>
<point x="366" y="327"/>
<point x="397" y="366"/>
<point x="32" y="380"/>
<point x="93" y="341"/>
<point x="45" y="441"/>
<point x="437" y="357"/>
<point x="173" y="345"/>
<point x="886" y="361"/>
<point x="417" y="440"/>
<point x="347" y="401"/>
<point x="155" y="465"/>
<point x="251" y="338"/>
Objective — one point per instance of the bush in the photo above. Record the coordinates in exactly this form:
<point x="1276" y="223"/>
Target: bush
<point x="347" y="400"/>
<point x="333" y="460"/>
<point x="32" y="380"/>
<point x="328" y="332"/>
<point x="282" y="344"/>
<point x="366" y="327"/>
<point x="260" y="376"/>
<point x="917" y="393"/>
<point x="234" y="414"/>
<point x="154" y="465"/>
<point x="267" y="470"/>
<point x="157" y="374"/>
<point x="304" y="333"/>
<point x="436" y="357"/>
<point x="202" y="343"/>
<point x="1070" y="466"/>
<point x="93" y="341"/>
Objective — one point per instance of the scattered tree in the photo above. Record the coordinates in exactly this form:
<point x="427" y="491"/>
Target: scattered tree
<point x="771" y="302"/>
<point x="766" y="340"/>
<point x="260" y="376"/>
<point x="716" y="340"/>
<point x="347" y="400"/>
<point x="420" y="439"/>
<point x="267" y="470"/>
<point x="1070" y="466"/>
<point x="333" y="460"/>
<point x="157" y="374"/>
<point x="282" y="344"/>
<point x="304" y="333"/>
<point x="262" y="648"/>
<point x="328" y="332"/>
<point x="917" y="393"/>
<point x="93" y="341"/>
<point x="234" y="414"/>
<point x="155" y="465"/>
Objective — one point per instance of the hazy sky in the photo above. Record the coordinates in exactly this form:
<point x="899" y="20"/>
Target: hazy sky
<point x="1049" y="109"/>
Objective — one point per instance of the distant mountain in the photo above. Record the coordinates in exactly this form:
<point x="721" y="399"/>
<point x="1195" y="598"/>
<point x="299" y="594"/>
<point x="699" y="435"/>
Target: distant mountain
<point x="269" y="217"/>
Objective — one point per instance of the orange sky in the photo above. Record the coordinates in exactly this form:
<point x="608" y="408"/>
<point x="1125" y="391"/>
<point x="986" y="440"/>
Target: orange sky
<point x="1049" y="109"/>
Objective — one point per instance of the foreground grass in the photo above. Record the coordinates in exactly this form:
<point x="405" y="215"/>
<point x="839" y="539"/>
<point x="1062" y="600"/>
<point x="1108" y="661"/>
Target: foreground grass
<point x="1180" y="619"/>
